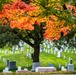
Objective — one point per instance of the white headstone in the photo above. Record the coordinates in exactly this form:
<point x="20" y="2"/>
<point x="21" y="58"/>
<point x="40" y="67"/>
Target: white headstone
<point x="61" y="50"/>
<point x="59" y="54"/>
<point x="21" y="44"/>
<point x="63" y="68"/>
<point x="56" y="49"/>
<point x="25" y="69"/>
<point x="41" y="49"/>
<point x="62" y="46"/>
<point x="65" y="41"/>
<point x="66" y="48"/>
<point x="12" y="52"/>
<point x="48" y="46"/>
<point x="3" y="71"/>
<point x="16" y="47"/>
<point x="19" y="68"/>
<point x="22" y="48"/>
<point x="6" y="70"/>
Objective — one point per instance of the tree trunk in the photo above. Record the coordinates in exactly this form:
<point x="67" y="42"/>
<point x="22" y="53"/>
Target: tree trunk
<point x="36" y="52"/>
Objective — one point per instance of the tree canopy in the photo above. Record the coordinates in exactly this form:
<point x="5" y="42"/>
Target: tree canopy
<point x="59" y="19"/>
<point x="22" y="16"/>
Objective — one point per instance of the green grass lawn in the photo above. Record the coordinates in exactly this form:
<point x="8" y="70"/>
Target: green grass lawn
<point x="45" y="59"/>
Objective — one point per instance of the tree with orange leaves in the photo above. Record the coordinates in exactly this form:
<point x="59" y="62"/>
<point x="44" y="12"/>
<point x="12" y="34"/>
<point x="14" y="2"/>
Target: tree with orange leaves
<point x="32" y="23"/>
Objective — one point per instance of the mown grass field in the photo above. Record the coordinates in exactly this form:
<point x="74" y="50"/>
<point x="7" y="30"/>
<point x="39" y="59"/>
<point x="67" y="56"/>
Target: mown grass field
<point x="45" y="59"/>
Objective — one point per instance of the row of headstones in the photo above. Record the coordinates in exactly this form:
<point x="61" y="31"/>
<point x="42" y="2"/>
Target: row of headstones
<point x="45" y="46"/>
<point x="28" y="53"/>
<point x="15" y="49"/>
<point x="59" y="53"/>
<point x="69" y="66"/>
<point x="7" y="70"/>
<point x="48" y="45"/>
<point x="10" y="64"/>
<point x="8" y="52"/>
<point x="4" y="60"/>
<point x="48" y="49"/>
<point x="30" y="56"/>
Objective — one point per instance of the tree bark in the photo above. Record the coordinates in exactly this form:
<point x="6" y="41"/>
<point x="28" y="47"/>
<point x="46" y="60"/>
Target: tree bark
<point x="36" y="52"/>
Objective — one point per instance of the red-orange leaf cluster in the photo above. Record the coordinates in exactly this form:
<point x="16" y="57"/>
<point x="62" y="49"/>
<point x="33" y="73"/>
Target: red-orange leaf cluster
<point x="17" y="15"/>
<point x="20" y="15"/>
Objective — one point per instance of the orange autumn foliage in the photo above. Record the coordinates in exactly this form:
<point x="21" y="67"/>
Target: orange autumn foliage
<point x="17" y="16"/>
<point x="20" y="15"/>
<point x="54" y="29"/>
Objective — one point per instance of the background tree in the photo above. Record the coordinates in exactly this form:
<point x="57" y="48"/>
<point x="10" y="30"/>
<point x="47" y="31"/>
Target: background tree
<point x="37" y="20"/>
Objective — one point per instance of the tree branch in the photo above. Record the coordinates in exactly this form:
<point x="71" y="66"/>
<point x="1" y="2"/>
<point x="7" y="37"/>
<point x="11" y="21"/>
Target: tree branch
<point x="23" y="38"/>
